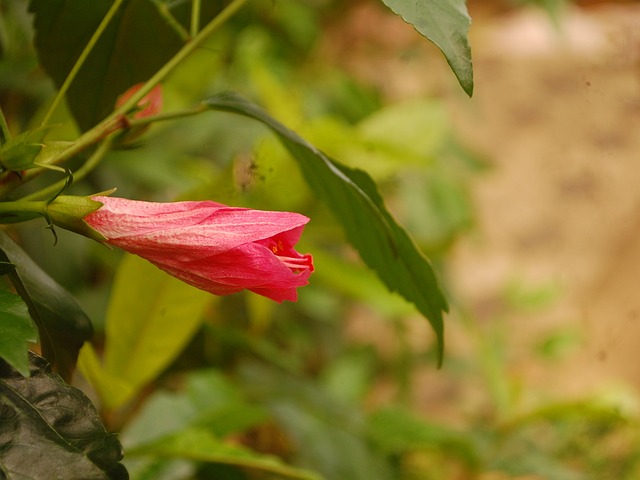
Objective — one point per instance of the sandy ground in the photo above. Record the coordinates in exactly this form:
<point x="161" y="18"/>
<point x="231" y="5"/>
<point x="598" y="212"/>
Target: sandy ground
<point x="557" y="112"/>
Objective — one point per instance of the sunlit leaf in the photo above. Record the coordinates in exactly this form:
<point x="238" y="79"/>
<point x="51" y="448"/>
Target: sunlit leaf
<point x="137" y="42"/>
<point x="16" y="331"/>
<point x="354" y="199"/>
<point x="51" y="430"/>
<point x="446" y="23"/>
<point x="63" y="326"/>
<point x="150" y="318"/>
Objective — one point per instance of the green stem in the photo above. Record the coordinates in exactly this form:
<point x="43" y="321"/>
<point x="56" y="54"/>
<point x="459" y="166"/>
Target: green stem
<point x="137" y="122"/>
<point x="195" y="17"/>
<point x="91" y="163"/>
<point x="81" y="59"/>
<point x="20" y="206"/>
<point x="5" y="134"/>
<point x="165" y="13"/>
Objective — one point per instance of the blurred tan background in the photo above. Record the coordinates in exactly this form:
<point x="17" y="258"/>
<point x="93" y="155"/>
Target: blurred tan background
<point x="556" y="111"/>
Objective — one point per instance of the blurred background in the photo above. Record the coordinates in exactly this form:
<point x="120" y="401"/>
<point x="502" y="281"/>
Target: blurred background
<point x="523" y="196"/>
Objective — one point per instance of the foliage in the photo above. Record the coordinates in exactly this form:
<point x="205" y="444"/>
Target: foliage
<point x="238" y="387"/>
<point x="51" y="430"/>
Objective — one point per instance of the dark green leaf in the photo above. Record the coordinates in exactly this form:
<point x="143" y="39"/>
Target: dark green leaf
<point x="352" y="196"/>
<point x="62" y="324"/>
<point x="16" y="330"/>
<point x="446" y="23"/>
<point x="6" y="267"/>
<point x="137" y="42"/>
<point x="51" y="430"/>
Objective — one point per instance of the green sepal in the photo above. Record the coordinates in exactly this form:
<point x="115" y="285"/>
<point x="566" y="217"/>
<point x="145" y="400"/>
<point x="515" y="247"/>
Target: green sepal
<point x="68" y="212"/>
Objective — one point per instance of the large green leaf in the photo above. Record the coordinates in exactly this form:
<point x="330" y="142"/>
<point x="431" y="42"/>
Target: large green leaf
<point x="16" y="330"/>
<point x="446" y="23"/>
<point x="150" y="318"/>
<point x="62" y="324"/>
<point x="353" y="198"/>
<point x="51" y="430"/>
<point x="137" y="42"/>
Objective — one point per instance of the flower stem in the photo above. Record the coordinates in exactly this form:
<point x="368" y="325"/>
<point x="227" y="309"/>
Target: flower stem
<point x="165" y="13"/>
<point x="195" y="17"/>
<point x="136" y="122"/>
<point x="81" y="59"/>
<point x="5" y="134"/>
<point x="21" y="206"/>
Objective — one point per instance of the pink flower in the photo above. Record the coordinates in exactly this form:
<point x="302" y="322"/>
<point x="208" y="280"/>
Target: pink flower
<point x="211" y="246"/>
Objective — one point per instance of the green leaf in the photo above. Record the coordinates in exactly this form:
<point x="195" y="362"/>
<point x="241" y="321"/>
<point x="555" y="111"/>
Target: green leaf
<point x="16" y="330"/>
<point x="202" y="446"/>
<point x="150" y="318"/>
<point x="329" y="435"/>
<point x="208" y="401"/>
<point x="396" y="430"/>
<point x="62" y="324"/>
<point x="51" y="430"/>
<point x="353" y="198"/>
<point x="136" y="43"/>
<point x="446" y="23"/>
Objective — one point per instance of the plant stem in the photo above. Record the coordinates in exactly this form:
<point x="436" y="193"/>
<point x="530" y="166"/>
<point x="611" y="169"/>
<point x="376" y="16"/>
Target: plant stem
<point x="165" y="13"/>
<point x="195" y="17"/>
<point x="79" y="174"/>
<point x="5" y="134"/>
<point x="136" y="122"/>
<point x="21" y="206"/>
<point x="81" y="59"/>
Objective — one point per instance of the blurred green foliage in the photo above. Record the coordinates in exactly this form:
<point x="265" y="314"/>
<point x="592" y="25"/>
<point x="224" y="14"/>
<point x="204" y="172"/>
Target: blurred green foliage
<point x="289" y="391"/>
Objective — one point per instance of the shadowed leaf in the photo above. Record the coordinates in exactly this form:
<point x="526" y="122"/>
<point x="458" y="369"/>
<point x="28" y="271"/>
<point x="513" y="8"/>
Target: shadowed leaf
<point x="51" y="430"/>
<point x="63" y="326"/>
